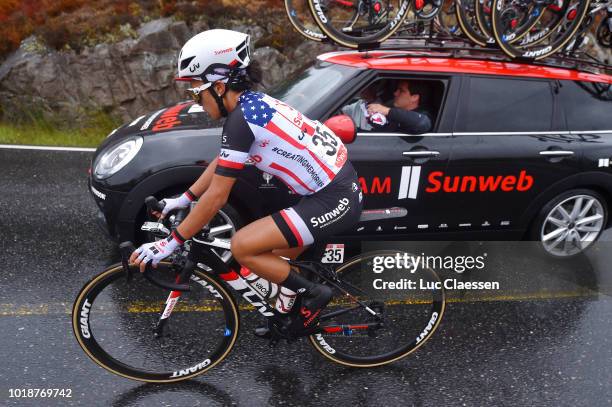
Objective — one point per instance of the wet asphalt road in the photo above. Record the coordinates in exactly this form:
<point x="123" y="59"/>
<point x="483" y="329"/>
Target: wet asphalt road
<point x="547" y="341"/>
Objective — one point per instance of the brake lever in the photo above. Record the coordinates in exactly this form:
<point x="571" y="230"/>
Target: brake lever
<point x="126" y="249"/>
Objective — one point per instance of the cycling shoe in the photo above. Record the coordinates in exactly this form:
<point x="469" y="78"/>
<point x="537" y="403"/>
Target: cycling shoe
<point x="311" y="304"/>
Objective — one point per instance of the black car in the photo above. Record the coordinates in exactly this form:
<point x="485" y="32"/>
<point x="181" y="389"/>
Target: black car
<point x="517" y="151"/>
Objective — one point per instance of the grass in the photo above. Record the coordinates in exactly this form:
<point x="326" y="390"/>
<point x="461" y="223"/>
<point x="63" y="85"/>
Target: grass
<point x="40" y="132"/>
<point x="33" y="135"/>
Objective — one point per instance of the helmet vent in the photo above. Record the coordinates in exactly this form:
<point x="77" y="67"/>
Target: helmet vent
<point x="185" y="62"/>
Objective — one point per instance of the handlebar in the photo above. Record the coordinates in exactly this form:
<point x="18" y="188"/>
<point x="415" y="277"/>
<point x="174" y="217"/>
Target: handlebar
<point x="154" y="205"/>
<point x="126" y="249"/>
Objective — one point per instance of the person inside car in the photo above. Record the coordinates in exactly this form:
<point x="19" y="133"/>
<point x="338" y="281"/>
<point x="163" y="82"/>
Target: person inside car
<point x="358" y="110"/>
<point x="307" y="156"/>
<point x="408" y="114"/>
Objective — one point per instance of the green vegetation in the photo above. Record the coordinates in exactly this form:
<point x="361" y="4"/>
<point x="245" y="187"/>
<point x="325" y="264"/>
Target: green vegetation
<point x="47" y="133"/>
<point x="10" y="134"/>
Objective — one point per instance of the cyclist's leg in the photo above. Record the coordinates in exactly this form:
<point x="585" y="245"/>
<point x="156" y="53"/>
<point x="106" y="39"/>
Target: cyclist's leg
<point x="252" y="247"/>
<point x="259" y="245"/>
<point x="291" y="253"/>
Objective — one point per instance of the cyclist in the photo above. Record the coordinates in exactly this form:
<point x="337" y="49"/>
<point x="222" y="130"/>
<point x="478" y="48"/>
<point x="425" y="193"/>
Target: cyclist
<point x="306" y="155"/>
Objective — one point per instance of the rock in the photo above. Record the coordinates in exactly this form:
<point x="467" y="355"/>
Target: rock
<point x="153" y="27"/>
<point x="128" y="78"/>
<point x="254" y="31"/>
<point x="272" y="63"/>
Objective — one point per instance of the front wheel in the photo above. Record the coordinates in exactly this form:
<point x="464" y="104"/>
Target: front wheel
<point x="115" y="322"/>
<point x="391" y="311"/>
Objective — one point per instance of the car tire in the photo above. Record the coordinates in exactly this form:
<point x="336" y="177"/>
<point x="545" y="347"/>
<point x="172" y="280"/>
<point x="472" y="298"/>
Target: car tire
<point x="228" y="215"/>
<point x="569" y="224"/>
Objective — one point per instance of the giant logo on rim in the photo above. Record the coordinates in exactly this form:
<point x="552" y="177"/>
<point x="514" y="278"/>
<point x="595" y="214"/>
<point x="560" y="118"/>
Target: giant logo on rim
<point x="85" y="319"/>
<point x="319" y="11"/>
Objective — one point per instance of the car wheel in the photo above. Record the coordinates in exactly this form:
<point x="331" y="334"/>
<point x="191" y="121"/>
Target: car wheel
<point x="570" y="223"/>
<point x="223" y="225"/>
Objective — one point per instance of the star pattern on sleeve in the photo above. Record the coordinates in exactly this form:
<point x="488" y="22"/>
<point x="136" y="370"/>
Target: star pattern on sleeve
<point x="256" y="110"/>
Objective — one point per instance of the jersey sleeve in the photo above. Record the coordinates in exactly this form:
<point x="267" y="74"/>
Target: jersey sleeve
<point x="236" y="142"/>
<point x="410" y="121"/>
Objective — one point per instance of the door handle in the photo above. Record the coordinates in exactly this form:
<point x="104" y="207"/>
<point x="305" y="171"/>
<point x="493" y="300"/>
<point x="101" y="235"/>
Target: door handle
<point x="556" y="153"/>
<point x="420" y="153"/>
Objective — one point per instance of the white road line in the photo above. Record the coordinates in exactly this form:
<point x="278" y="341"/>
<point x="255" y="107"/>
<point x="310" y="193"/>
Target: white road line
<point x="45" y="148"/>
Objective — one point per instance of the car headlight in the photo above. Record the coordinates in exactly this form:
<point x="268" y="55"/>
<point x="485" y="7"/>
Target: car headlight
<point x="117" y="157"/>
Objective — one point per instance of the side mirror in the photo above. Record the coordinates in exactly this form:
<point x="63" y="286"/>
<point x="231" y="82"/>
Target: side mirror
<point x="343" y="127"/>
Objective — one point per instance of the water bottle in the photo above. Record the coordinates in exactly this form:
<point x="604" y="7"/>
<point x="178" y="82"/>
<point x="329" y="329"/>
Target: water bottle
<point x="285" y="300"/>
<point x="264" y="287"/>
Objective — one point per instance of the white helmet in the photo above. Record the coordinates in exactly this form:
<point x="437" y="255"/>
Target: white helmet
<point x="214" y="55"/>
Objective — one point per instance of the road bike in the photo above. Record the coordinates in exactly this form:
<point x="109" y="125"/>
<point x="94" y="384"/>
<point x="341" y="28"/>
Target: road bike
<point x="359" y="23"/>
<point x="127" y="323"/>
<point x="603" y="32"/>
<point x="432" y="19"/>
<point x="559" y="21"/>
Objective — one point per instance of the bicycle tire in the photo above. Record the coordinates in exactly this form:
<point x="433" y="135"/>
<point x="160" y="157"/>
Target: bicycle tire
<point x="428" y="12"/>
<point x="604" y="35"/>
<point x="294" y="18"/>
<point x="523" y="28"/>
<point x="541" y="49"/>
<point x="428" y="310"/>
<point x="324" y="19"/>
<point x="469" y="25"/>
<point x="102" y="299"/>
<point x="448" y="21"/>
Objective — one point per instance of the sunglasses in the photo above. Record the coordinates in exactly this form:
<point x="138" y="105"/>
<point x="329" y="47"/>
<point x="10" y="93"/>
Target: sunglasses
<point x="195" y="93"/>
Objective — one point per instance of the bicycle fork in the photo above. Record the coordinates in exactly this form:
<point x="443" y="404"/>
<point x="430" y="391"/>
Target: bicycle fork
<point x="171" y="302"/>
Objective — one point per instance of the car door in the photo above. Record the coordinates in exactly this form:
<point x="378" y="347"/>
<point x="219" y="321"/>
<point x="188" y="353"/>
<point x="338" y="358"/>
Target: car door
<point x="392" y="167"/>
<point x="511" y="144"/>
<point x="588" y="111"/>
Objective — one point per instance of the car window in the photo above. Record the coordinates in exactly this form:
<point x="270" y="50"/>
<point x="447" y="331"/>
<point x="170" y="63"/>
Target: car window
<point x="310" y="86"/>
<point x="505" y="105"/>
<point x="382" y="92"/>
<point x="588" y="105"/>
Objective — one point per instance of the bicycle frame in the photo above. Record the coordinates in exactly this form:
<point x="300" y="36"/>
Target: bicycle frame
<point x="202" y="256"/>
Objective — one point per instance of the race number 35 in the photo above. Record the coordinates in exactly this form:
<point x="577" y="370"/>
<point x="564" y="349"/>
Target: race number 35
<point x="334" y="253"/>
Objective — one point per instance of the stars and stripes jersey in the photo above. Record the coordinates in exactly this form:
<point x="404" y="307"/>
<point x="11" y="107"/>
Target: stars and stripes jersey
<point x="303" y="153"/>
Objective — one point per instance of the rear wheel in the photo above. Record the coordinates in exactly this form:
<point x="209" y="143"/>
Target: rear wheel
<point x="352" y="22"/>
<point x="406" y="316"/>
<point x="570" y="223"/>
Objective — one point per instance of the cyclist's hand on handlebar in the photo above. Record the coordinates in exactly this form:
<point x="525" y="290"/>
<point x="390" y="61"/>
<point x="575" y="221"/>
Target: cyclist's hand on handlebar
<point x="171" y="204"/>
<point x="154" y="252"/>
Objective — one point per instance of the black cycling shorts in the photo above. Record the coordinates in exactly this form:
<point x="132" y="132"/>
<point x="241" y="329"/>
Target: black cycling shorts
<point x="329" y="211"/>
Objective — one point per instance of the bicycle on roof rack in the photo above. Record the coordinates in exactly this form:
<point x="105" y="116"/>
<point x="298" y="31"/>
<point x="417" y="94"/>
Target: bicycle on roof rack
<point x="521" y="29"/>
<point x="135" y="330"/>
<point x="353" y="22"/>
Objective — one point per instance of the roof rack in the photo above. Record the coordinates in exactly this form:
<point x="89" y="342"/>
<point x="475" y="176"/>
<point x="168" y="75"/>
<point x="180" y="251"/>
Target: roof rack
<point x="459" y="48"/>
